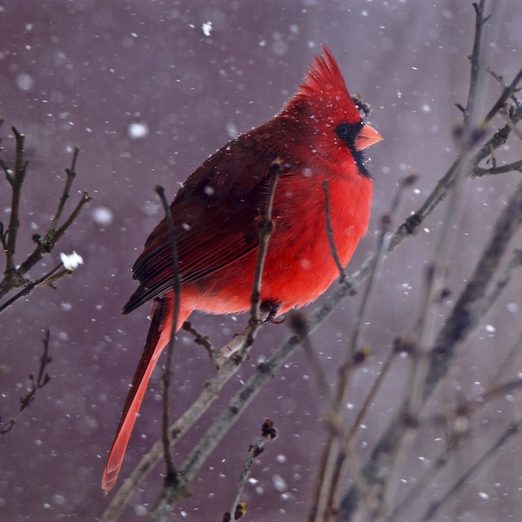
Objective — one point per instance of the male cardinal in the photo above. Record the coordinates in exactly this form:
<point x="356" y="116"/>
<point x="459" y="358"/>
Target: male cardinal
<point x="320" y="135"/>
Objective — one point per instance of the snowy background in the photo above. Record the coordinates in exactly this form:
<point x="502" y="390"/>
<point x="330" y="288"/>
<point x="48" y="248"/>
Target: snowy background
<point x="147" y="90"/>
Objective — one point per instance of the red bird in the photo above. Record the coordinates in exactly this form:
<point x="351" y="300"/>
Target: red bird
<point x="320" y="134"/>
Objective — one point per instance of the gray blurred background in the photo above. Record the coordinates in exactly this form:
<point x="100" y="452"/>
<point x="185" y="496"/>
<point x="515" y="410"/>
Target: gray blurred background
<point x="147" y="90"/>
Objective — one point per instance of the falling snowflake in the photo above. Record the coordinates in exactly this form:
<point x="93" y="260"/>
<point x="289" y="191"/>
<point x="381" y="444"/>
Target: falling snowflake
<point x="138" y="130"/>
<point x="71" y="261"/>
<point x="206" y="27"/>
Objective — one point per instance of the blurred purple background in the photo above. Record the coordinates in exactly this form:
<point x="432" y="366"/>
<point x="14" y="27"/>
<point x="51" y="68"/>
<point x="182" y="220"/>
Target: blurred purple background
<point x="147" y="90"/>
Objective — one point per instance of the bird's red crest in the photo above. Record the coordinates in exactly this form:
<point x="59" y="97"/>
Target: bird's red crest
<point x="324" y="90"/>
<point x="324" y="77"/>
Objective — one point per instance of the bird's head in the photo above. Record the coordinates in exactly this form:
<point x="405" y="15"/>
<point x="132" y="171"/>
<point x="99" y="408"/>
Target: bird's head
<point x="325" y="110"/>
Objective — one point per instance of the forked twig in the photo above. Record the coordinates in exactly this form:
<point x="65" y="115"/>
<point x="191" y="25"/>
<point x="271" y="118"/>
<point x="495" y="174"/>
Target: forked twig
<point x="203" y="340"/>
<point x="46" y="280"/>
<point x="14" y="276"/>
<point x="268" y="433"/>
<point x="35" y="383"/>
<point x="70" y="175"/>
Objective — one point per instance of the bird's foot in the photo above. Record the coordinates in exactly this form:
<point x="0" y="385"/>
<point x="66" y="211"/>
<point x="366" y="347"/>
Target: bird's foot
<point x="269" y="310"/>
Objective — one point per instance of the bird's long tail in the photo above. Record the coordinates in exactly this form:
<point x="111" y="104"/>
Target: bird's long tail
<point x="157" y="338"/>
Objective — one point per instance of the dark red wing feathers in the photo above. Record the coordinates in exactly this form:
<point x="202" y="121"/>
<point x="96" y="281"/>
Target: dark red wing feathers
<point x="214" y="216"/>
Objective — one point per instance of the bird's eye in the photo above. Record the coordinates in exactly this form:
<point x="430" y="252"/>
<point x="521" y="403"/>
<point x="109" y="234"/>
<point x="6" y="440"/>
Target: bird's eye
<point x="348" y="132"/>
<point x="343" y="130"/>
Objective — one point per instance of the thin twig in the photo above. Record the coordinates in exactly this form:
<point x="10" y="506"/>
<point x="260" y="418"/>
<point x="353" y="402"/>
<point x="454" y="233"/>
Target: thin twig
<point x="35" y="384"/>
<point x="14" y="277"/>
<point x="508" y="360"/>
<point x="298" y="322"/>
<point x="476" y="66"/>
<point x="385" y="224"/>
<point x="214" y="354"/>
<point x="464" y="479"/>
<point x="499" y="138"/>
<point x="329" y="232"/>
<point x="468" y="407"/>
<point x="506" y="93"/>
<point x="45" y="245"/>
<point x="457" y="419"/>
<point x="502" y="169"/>
<point x="277" y="168"/>
<point x="268" y="433"/>
<point x="346" y="452"/>
<point x="50" y="277"/>
<point x="171" y="473"/>
<point x="514" y="264"/>
<point x="16" y="180"/>
<point x="71" y="174"/>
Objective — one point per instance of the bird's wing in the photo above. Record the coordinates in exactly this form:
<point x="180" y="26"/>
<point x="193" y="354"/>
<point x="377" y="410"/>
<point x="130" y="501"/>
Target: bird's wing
<point x="214" y="215"/>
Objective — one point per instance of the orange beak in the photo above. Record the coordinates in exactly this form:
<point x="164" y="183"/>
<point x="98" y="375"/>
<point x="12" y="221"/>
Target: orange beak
<point x="366" y="137"/>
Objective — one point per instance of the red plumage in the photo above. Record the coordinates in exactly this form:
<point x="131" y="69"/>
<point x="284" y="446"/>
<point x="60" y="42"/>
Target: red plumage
<point x="319" y="133"/>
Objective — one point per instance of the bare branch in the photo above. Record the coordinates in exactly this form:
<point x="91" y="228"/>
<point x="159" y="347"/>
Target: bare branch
<point x="14" y="276"/>
<point x="16" y="180"/>
<point x="268" y="433"/>
<point x="506" y="93"/>
<point x="509" y="167"/>
<point x="51" y="237"/>
<point x="71" y="174"/>
<point x="277" y="168"/>
<point x="50" y="277"/>
<point x="209" y="394"/>
<point x="329" y="231"/>
<point x="214" y="354"/>
<point x="171" y="473"/>
<point x="35" y="384"/>
<point x="299" y="324"/>
<point x="456" y="487"/>
<point x="475" y="61"/>
<point x="346" y="452"/>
